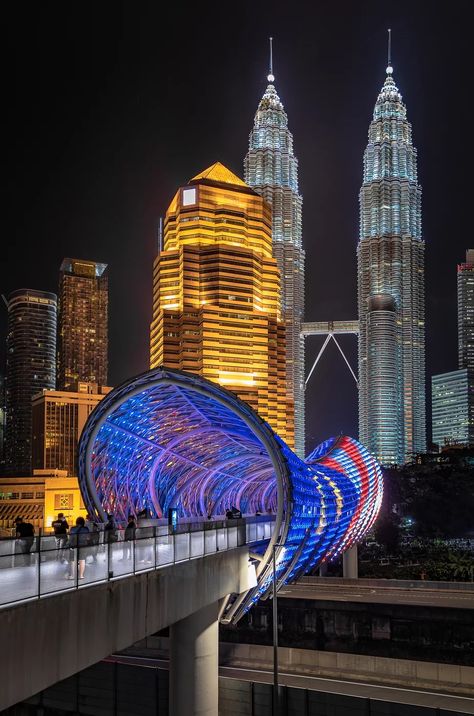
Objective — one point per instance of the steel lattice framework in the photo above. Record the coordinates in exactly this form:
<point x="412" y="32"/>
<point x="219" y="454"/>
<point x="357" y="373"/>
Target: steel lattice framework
<point x="173" y="439"/>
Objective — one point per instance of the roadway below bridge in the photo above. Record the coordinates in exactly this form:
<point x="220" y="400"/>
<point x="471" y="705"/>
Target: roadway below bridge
<point x="358" y="592"/>
<point x="257" y="669"/>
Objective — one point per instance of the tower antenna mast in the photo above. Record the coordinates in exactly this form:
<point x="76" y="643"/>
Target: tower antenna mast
<point x="271" y="76"/>
<point x="389" y="50"/>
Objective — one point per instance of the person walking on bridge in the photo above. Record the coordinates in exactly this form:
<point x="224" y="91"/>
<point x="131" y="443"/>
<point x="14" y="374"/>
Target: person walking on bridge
<point x="60" y="527"/>
<point x="78" y="542"/>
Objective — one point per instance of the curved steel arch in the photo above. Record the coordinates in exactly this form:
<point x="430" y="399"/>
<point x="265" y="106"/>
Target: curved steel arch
<point x="168" y="438"/>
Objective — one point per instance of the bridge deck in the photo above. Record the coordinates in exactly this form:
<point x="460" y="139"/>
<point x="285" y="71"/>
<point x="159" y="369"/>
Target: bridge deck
<point x="48" y="570"/>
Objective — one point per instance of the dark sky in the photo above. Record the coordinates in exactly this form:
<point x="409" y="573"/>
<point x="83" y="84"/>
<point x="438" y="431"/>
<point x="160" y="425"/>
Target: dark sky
<point x="112" y="106"/>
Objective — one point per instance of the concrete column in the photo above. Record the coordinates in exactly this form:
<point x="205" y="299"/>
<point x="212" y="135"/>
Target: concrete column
<point x="194" y="664"/>
<point x="350" y="566"/>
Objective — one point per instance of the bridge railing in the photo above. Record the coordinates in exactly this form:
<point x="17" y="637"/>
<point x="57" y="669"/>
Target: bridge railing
<point x="37" y="567"/>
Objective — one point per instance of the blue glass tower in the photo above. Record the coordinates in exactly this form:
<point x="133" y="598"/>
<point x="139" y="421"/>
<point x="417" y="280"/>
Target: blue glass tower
<point x="390" y="258"/>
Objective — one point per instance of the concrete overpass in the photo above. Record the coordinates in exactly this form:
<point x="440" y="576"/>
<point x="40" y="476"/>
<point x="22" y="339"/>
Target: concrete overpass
<point x="50" y="636"/>
<point x="172" y="440"/>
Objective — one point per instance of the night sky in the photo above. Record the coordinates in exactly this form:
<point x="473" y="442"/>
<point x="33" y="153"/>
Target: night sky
<point x="112" y="106"/>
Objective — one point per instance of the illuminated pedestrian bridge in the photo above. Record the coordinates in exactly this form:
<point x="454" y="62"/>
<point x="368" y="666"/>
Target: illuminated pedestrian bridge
<point x="173" y="439"/>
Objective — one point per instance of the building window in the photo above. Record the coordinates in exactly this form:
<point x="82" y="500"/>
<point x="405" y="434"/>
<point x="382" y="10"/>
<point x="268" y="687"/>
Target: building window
<point x="188" y="197"/>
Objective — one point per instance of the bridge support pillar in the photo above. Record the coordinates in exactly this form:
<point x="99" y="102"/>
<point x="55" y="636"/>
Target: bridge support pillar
<point x="350" y="566"/>
<point x="194" y="664"/>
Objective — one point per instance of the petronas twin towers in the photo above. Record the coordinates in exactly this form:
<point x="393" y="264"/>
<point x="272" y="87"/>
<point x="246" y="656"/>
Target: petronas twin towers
<point x="390" y="270"/>
<point x="390" y="264"/>
<point x="271" y="169"/>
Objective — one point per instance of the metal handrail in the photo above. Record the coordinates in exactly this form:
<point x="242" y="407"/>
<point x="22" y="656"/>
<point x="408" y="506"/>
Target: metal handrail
<point x="47" y="563"/>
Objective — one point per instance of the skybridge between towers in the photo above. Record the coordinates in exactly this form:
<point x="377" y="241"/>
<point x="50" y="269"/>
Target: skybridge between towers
<point x="173" y="440"/>
<point x="330" y="329"/>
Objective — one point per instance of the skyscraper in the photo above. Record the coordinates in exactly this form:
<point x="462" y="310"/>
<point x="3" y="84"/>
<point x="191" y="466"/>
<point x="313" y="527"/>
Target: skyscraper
<point x="391" y="297"/>
<point x="452" y="394"/>
<point x="466" y="311"/>
<point x="271" y="169"/>
<point x="452" y="400"/>
<point x="58" y="419"/>
<point x="216" y="290"/>
<point x="82" y="323"/>
<point x="31" y="366"/>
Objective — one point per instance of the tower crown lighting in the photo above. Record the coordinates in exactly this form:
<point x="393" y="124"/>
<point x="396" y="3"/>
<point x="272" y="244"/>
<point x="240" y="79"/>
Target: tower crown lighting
<point x="216" y="293"/>
<point x="391" y="266"/>
<point x="271" y="169"/>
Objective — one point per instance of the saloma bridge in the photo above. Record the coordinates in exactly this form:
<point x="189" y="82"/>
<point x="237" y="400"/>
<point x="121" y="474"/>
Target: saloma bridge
<point x="169" y="439"/>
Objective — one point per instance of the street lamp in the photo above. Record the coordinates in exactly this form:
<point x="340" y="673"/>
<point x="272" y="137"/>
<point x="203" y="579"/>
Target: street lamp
<point x="275" y="638"/>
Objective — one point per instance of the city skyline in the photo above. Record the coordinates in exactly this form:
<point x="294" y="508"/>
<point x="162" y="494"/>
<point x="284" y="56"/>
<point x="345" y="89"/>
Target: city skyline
<point x="116" y="195"/>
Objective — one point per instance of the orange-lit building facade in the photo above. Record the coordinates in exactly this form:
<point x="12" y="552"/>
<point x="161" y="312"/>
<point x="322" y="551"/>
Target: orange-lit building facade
<point x="58" y="419"/>
<point x="216" y="294"/>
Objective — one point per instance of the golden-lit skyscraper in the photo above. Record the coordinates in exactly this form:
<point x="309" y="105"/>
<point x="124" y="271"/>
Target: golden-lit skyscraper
<point x="216" y="294"/>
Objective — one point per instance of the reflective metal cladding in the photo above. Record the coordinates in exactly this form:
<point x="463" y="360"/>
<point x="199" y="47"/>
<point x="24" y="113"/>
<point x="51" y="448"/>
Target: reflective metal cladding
<point x="391" y="296"/>
<point x="173" y="439"/>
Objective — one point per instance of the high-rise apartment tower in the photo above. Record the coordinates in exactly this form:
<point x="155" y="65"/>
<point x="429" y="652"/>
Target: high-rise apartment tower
<point x="452" y="394"/>
<point x="466" y="311"/>
<point x="216" y="285"/>
<point x="31" y="367"/>
<point x="271" y="169"/>
<point x="82" y="323"/>
<point x="391" y="291"/>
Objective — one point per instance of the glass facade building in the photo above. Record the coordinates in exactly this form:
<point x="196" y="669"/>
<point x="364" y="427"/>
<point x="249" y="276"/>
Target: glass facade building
<point x="452" y="398"/>
<point x="465" y="280"/>
<point x="82" y="323"/>
<point x="216" y="288"/>
<point x="452" y="394"/>
<point x="31" y="367"/>
<point x="271" y="168"/>
<point x="390" y="264"/>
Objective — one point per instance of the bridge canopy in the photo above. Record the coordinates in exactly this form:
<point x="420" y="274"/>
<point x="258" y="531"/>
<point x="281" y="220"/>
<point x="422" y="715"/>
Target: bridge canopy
<point x="172" y="439"/>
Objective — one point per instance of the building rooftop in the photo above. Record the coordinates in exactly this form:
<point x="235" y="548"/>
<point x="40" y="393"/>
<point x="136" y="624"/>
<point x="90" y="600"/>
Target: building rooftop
<point x="219" y="173"/>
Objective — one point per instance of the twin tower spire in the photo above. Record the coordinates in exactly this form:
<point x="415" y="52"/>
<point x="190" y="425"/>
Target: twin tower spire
<point x="390" y="270"/>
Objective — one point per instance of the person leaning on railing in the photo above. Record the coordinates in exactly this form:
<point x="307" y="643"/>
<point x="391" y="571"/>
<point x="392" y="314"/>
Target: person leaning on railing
<point x="128" y="537"/>
<point x="110" y="530"/>
<point x="25" y="534"/>
<point x="94" y="537"/>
